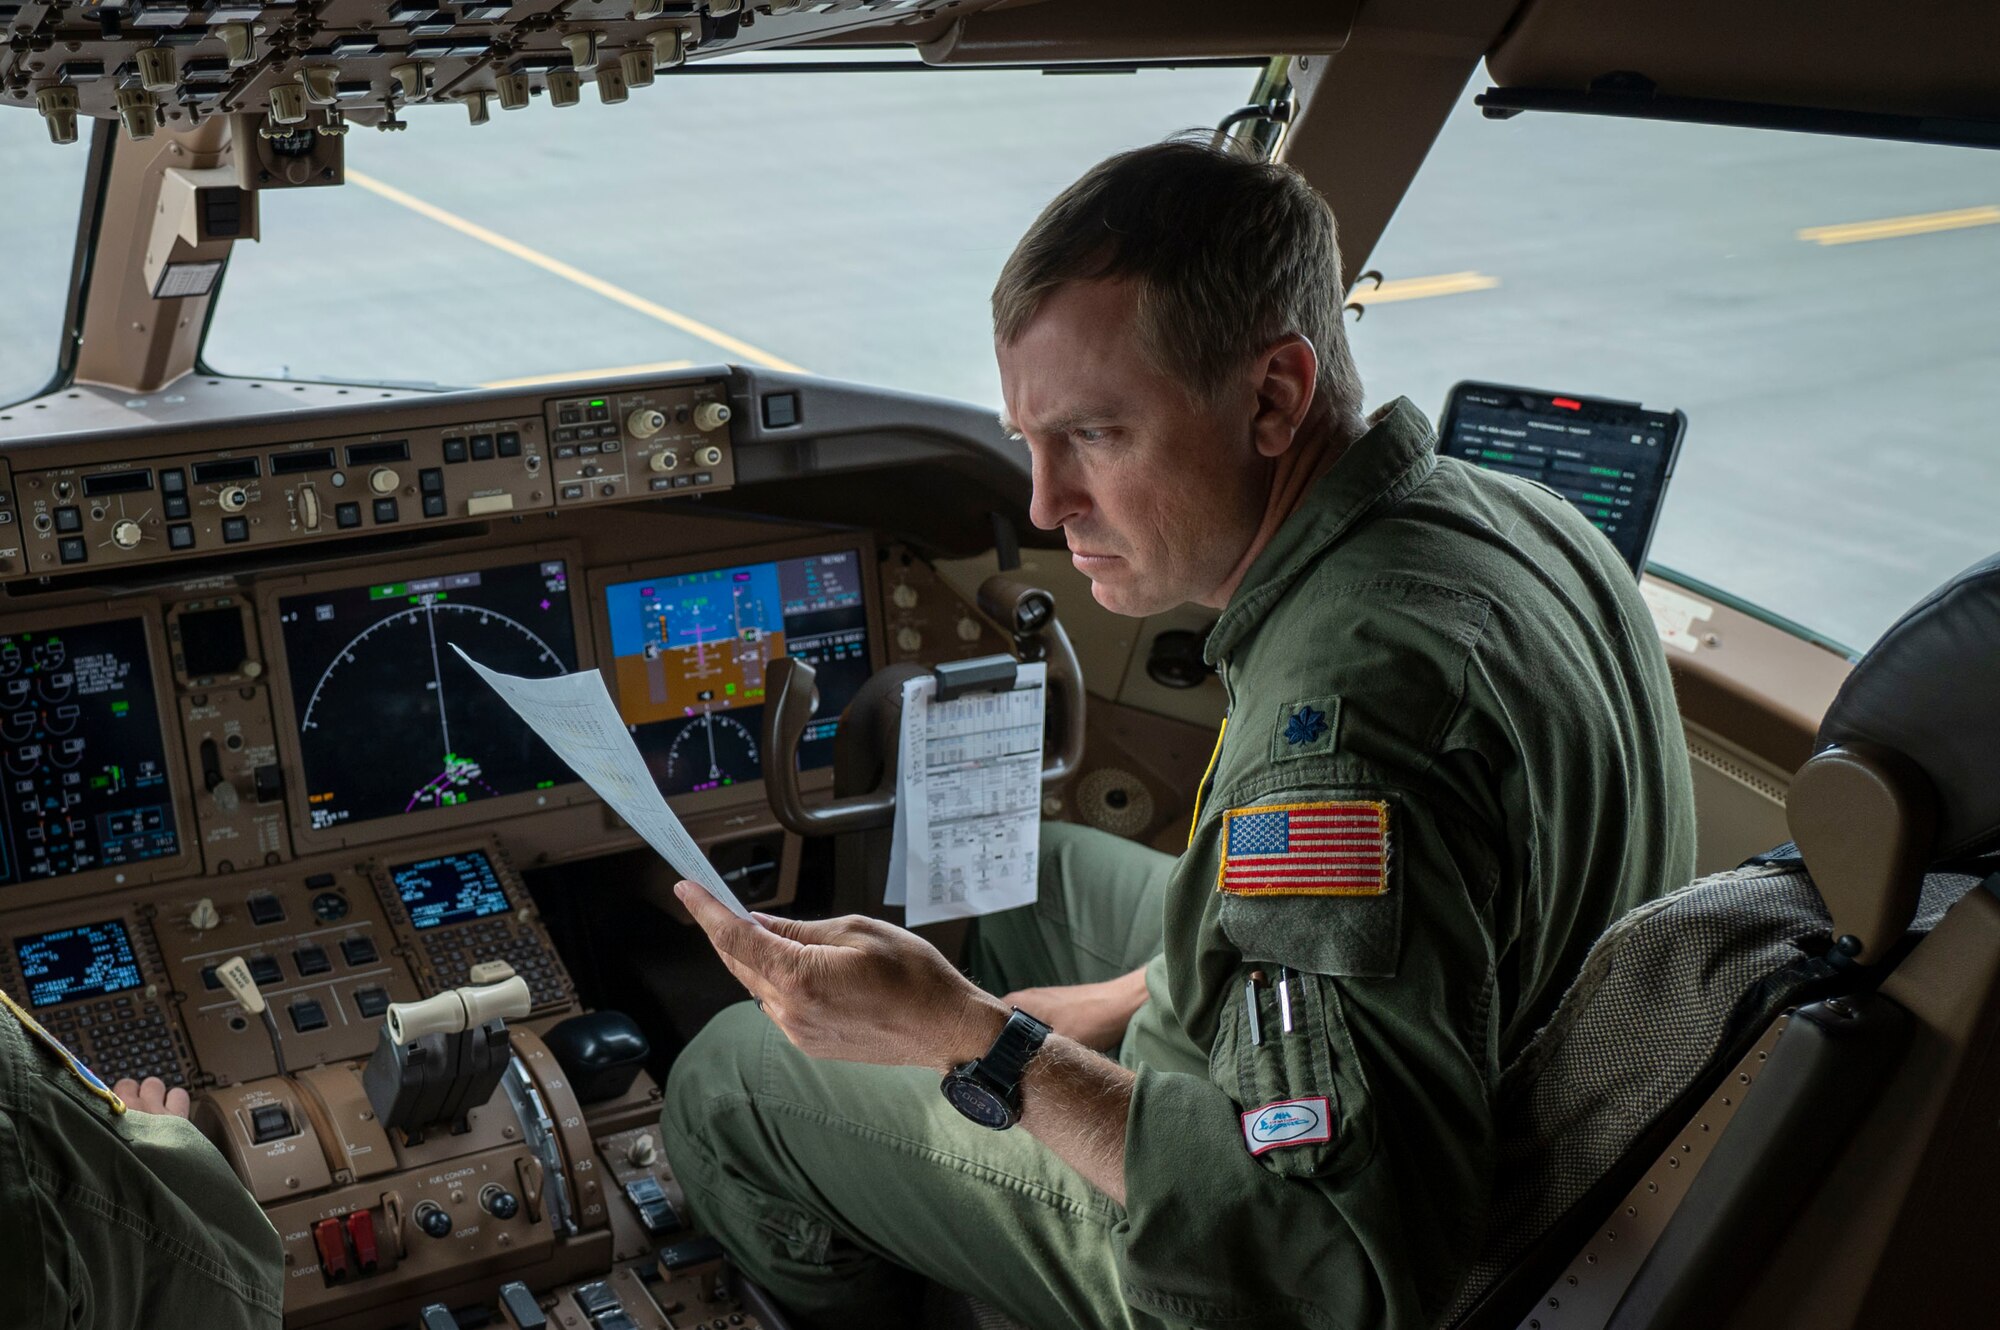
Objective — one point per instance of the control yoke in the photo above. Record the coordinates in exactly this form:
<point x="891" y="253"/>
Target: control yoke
<point x="1026" y="613"/>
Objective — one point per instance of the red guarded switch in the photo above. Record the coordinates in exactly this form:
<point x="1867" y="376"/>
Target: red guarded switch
<point x="361" y="1232"/>
<point x="332" y="1250"/>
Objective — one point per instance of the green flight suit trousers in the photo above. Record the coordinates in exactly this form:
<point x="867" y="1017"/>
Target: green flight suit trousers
<point x="829" y="1182"/>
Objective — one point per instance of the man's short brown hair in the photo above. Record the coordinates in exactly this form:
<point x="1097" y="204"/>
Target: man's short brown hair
<point x="1229" y="253"/>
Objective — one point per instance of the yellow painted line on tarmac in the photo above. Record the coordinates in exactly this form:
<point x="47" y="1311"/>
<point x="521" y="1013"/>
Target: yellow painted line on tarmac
<point x="735" y="346"/>
<point x="1890" y="228"/>
<point x="1419" y="288"/>
<point x="612" y="372"/>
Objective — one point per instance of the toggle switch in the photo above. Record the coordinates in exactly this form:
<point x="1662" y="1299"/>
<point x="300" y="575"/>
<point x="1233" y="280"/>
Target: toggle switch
<point x="58" y="106"/>
<point x="321" y="84"/>
<point x="669" y="47"/>
<point x="413" y="77"/>
<point x="239" y="43"/>
<point x="329" y="1239"/>
<point x="583" y="50"/>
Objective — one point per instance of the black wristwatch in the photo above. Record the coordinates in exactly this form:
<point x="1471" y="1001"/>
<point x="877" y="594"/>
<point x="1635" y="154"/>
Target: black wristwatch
<point x="988" y="1090"/>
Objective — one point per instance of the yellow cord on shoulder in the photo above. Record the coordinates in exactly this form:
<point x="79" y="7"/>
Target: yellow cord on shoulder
<point x="1202" y="788"/>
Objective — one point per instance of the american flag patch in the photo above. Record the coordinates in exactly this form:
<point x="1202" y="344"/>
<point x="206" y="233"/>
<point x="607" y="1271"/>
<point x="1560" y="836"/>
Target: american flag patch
<point x="1337" y="848"/>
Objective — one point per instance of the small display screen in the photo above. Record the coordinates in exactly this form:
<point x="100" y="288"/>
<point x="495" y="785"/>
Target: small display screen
<point x="689" y="653"/>
<point x="212" y="641"/>
<point x="391" y="721"/>
<point x="90" y="960"/>
<point x="81" y="752"/>
<point x="450" y="889"/>
<point x="1611" y="459"/>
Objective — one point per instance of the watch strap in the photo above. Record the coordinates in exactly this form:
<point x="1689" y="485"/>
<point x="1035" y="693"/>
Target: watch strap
<point x="1007" y="1060"/>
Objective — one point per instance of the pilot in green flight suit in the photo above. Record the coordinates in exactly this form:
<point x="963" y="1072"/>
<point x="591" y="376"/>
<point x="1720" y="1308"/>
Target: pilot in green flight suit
<point x="116" y="1219"/>
<point x="1452" y="757"/>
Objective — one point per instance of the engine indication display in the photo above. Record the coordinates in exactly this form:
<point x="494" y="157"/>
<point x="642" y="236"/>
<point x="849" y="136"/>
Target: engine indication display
<point x="689" y="653"/>
<point x="391" y="721"/>
<point x="90" y="960"/>
<point x="84" y="760"/>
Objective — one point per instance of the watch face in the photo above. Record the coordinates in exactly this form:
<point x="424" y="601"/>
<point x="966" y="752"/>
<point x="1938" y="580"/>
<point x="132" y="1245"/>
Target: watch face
<point x="977" y="1102"/>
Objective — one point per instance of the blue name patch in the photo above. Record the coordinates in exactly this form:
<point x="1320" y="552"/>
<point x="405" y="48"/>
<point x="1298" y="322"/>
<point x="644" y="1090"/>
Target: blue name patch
<point x="1306" y="1121"/>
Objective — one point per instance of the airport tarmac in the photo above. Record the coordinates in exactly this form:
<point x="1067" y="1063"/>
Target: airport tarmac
<point x="1821" y="308"/>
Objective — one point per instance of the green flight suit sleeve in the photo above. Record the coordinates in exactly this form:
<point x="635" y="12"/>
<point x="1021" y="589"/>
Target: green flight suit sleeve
<point x="1334" y="1176"/>
<point x="120" y="1221"/>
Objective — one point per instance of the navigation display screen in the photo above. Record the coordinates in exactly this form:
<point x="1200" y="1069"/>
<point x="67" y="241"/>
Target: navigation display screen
<point x="689" y="651"/>
<point x="1611" y="459"/>
<point x="81" y="752"/>
<point x="90" y="960"/>
<point x="450" y="889"/>
<point x="391" y="721"/>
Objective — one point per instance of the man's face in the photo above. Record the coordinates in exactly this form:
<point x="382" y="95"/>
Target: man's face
<point x="1158" y="497"/>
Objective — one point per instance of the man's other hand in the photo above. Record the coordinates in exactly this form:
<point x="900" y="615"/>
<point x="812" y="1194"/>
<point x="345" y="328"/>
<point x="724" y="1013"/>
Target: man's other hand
<point x="854" y="989"/>
<point x="152" y="1096"/>
<point x="1095" y="1015"/>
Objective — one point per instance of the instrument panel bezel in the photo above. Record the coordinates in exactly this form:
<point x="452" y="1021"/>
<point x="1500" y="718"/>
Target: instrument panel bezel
<point x="751" y="791"/>
<point x="468" y="819"/>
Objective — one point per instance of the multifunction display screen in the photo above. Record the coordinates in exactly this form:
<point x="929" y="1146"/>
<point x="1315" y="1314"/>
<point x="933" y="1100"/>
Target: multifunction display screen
<point x="450" y="889"/>
<point x="391" y="721"/>
<point x="84" y="760"/>
<point x="90" y="960"/>
<point x="689" y="653"/>
<point x="1611" y="459"/>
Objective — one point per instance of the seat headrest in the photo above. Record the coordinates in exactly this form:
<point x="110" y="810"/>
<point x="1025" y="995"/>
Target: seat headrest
<point x="1930" y="690"/>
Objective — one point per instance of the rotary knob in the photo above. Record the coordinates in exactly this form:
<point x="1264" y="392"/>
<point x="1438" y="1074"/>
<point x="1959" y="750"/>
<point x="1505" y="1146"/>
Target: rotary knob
<point x="384" y="480"/>
<point x="909" y="640"/>
<point x="711" y="415"/>
<point x="968" y="629"/>
<point x="665" y="460"/>
<point x="203" y="916"/>
<point x="233" y="499"/>
<point x="645" y="422"/>
<point x="642" y="1152"/>
<point x="126" y="535"/>
<point x="710" y="456"/>
<point x="904" y="596"/>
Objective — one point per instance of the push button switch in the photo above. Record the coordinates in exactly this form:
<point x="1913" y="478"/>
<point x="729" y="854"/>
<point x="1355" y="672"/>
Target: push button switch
<point x="307" y="1016"/>
<point x="266" y="909"/>
<point x="311" y="960"/>
<point x="265" y="970"/>
<point x="358" y="950"/>
<point x="271" y="1122"/>
<point x="371" y="1002"/>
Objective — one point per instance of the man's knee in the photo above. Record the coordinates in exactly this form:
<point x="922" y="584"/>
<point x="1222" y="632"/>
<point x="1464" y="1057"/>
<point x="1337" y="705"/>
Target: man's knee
<point x="720" y="1063"/>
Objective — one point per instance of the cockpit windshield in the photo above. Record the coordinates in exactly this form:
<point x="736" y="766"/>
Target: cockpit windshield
<point x="43" y="190"/>
<point x="1822" y="309"/>
<point x="849" y="224"/>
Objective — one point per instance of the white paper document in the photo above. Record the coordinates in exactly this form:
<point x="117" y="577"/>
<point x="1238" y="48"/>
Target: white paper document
<point x="576" y="717"/>
<point x="968" y="800"/>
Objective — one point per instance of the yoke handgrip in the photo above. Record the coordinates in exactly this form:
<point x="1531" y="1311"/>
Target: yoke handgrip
<point x="1026" y="613"/>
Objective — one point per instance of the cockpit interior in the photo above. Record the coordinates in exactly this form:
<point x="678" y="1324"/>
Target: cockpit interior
<point x="233" y="724"/>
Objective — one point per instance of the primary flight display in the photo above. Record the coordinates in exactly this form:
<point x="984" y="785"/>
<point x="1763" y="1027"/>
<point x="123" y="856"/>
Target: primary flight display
<point x="689" y="653"/>
<point x="391" y="721"/>
<point x="85" y="762"/>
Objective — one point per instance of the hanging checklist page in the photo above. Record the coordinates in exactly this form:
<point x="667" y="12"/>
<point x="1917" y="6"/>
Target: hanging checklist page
<point x="576" y="717"/>
<point x="969" y="800"/>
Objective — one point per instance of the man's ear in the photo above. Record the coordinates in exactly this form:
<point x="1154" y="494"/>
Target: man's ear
<point x="1286" y="375"/>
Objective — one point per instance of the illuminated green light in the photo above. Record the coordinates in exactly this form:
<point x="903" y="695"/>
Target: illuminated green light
<point x="120" y="708"/>
<point x="389" y="592"/>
